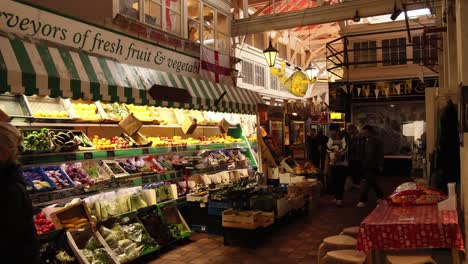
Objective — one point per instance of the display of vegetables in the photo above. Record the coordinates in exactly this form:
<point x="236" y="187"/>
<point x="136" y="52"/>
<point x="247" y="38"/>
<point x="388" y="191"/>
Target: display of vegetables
<point x="95" y="252"/>
<point x="134" y="165"/>
<point x="127" y="241"/>
<point x="177" y="230"/>
<point x="115" y="111"/>
<point x="156" y="228"/>
<point x="74" y="223"/>
<point x="37" y="180"/>
<point x="84" y="141"/>
<point x="65" y="139"/>
<point x="78" y="175"/>
<point x="57" y="251"/>
<point x="56" y="176"/>
<point x="37" y="140"/>
<point x="42" y="224"/>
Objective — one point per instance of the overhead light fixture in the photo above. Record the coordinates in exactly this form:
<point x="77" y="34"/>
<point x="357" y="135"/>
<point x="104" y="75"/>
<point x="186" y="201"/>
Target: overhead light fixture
<point x="392" y="105"/>
<point x="356" y="17"/>
<point x="311" y="72"/>
<point x="396" y="12"/>
<point x="270" y="55"/>
<point x="294" y="114"/>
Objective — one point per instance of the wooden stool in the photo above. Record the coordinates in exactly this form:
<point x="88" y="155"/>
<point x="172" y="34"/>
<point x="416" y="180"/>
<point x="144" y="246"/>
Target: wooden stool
<point x="335" y="243"/>
<point x="352" y="231"/>
<point x="410" y="259"/>
<point x="344" y="256"/>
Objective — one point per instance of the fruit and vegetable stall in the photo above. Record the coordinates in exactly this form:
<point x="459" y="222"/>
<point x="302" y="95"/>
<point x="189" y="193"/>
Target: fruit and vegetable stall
<point x="109" y="190"/>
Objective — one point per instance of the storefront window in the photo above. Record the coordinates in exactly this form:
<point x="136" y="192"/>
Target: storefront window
<point x="173" y="22"/>
<point x="153" y="13"/>
<point x="208" y="37"/>
<point x="208" y="16"/>
<point x="130" y="8"/>
<point x="223" y="25"/>
<point x="223" y="43"/>
<point x="394" y="51"/>
<point x="193" y="13"/>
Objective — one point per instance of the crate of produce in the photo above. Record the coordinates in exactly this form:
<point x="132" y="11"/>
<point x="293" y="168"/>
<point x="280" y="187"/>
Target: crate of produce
<point x="89" y="247"/>
<point x="155" y="226"/>
<point x="113" y="113"/>
<point x="36" y="141"/>
<point x="137" y="140"/>
<point x="135" y="165"/>
<point x="264" y="202"/>
<point x="70" y="140"/>
<point x="78" y="174"/>
<point x="58" y="176"/>
<point x="75" y="216"/>
<point x="200" y="197"/>
<point x="143" y="113"/>
<point x="242" y="219"/>
<point x="113" y="168"/>
<point x="48" y="109"/>
<point x="95" y="171"/>
<point x="38" y="180"/>
<point x="85" y="111"/>
<point x="176" y="222"/>
<point x="14" y="106"/>
<point x="268" y="219"/>
<point x="305" y="188"/>
<point x="127" y="237"/>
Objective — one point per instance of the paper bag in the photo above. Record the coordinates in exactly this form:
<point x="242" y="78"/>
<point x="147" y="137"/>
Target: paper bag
<point x="189" y="125"/>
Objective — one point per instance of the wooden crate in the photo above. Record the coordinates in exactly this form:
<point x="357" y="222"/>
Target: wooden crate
<point x="79" y="210"/>
<point x="296" y="202"/>
<point x="77" y="240"/>
<point x="242" y="219"/>
<point x="268" y="219"/>
<point x="282" y="207"/>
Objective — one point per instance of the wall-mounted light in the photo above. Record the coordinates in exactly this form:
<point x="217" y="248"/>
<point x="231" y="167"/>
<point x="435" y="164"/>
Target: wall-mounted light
<point x="270" y="55"/>
<point x="396" y="12"/>
<point x="356" y="17"/>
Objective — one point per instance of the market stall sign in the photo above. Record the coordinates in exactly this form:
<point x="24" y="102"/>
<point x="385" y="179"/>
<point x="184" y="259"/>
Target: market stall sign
<point x="29" y="21"/>
<point x="170" y="94"/>
<point x="336" y="116"/>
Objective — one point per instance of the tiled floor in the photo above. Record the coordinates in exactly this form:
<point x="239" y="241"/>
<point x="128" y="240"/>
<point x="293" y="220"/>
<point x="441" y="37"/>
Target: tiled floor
<point x="295" y="241"/>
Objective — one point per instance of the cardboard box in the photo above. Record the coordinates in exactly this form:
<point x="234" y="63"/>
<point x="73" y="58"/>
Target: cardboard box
<point x="189" y="125"/>
<point x="78" y="210"/>
<point x="130" y="124"/>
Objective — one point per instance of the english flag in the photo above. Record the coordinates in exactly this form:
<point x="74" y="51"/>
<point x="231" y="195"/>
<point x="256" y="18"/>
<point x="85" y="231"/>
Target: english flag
<point x="214" y="65"/>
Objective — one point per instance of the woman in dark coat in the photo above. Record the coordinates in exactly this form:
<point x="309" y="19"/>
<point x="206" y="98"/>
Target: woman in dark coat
<point x="18" y="239"/>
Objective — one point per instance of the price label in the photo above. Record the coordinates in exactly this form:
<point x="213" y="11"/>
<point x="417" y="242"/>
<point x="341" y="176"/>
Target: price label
<point x="146" y="180"/>
<point x="70" y="156"/>
<point x="173" y="148"/>
<point x="27" y="160"/>
<point x="197" y="147"/>
<point x="88" y="155"/>
<point x="110" y="154"/>
<point x="184" y="148"/>
<point x="145" y="151"/>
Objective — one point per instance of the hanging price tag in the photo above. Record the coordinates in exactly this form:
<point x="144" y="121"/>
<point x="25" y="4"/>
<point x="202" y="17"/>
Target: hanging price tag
<point x="197" y="147"/>
<point x="88" y="155"/>
<point x="110" y="154"/>
<point x="145" y="151"/>
<point x="70" y="156"/>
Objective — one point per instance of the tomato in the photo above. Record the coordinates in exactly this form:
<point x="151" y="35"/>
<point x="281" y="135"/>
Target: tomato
<point x="51" y="226"/>
<point x="40" y="215"/>
<point x="39" y="232"/>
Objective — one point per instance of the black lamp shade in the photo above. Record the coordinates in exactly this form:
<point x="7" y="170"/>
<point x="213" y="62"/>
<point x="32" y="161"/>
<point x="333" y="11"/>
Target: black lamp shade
<point x="270" y="55"/>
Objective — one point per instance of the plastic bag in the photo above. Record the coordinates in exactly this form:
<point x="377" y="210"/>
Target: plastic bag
<point x="414" y="194"/>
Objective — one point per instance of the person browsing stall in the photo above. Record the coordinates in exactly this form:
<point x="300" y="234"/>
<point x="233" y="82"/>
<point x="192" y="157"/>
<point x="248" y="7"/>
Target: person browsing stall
<point x="337" y="162"/>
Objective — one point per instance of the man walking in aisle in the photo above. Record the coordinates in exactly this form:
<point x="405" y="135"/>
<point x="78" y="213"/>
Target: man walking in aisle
<point x="355" y="154"/>
<point x="337" y="162"/>
<point x="372" y="165"/>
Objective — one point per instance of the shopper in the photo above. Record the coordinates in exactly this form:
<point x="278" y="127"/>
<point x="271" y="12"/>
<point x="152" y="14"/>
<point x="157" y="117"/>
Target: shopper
<point x="355" y="154"/>
<point x="18" y="240"/>
<point x="372" y="165"/>
<point x="314" y="147"/>
<point x="337" y="162"/>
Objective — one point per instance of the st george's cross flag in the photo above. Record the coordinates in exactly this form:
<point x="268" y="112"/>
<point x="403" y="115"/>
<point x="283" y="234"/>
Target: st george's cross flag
<point x="214" y="66"/>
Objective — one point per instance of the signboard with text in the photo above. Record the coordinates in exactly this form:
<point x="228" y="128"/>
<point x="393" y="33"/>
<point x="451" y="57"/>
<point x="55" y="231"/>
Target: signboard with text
<point x="29" y="21"/>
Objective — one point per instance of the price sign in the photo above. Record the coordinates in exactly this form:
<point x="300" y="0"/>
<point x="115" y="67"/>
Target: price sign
<point x="197" y="147"/>
<point x="88" y="155"/>
<point x="145" y="151"/>
<point x="173" y="148"/>
<point x="110" y="154"/>
<point x="70" y="156"/>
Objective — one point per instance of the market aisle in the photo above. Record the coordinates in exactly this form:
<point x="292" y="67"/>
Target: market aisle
<point x="295" y="241"/>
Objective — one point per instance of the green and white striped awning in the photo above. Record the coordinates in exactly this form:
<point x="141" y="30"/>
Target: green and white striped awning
<point x="34" y="68"/>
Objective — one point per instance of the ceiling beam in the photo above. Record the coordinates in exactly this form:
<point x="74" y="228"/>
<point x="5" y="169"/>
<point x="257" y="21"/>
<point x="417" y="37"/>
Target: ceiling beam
<point x="263" y="8"/>
<point x="315" y="15"/>
<point x="314" y="54"/>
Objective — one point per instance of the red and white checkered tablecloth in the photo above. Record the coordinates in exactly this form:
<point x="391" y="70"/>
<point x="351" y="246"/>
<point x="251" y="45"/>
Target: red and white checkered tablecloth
<point x="410" y="227"/>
